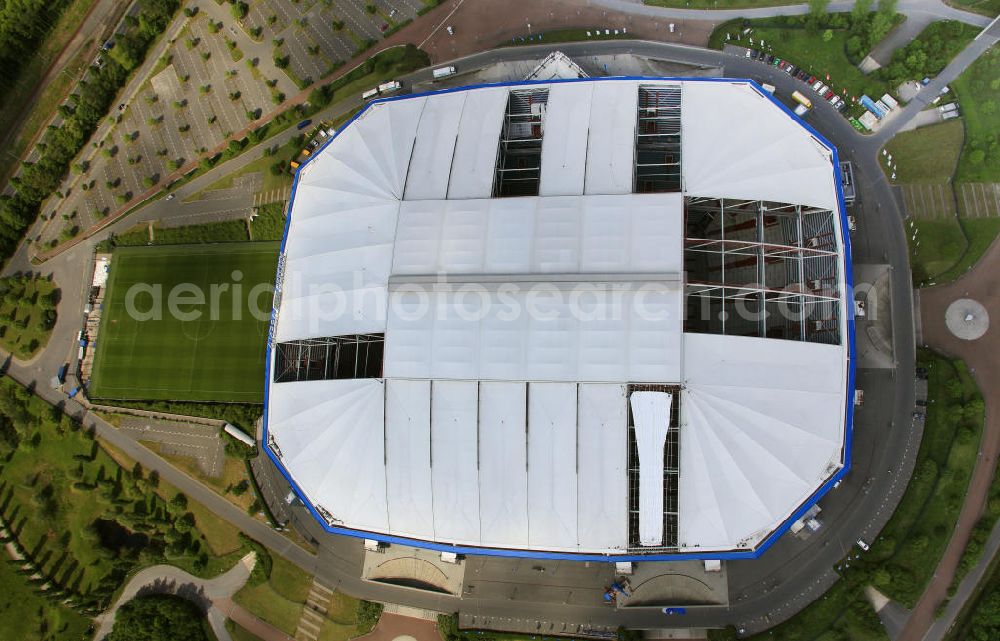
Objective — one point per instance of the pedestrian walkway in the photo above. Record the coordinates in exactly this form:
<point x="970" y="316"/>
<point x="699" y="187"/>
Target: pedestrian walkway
<point x="979" y="353"/>
<point x="314" y="612"/>
<point x="248" y="621"/>
<point x="393" y="626"/>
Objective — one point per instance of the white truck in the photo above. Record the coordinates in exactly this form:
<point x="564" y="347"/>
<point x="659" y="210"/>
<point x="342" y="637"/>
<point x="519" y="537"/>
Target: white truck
<point x="371" y="93"/>
<point x="768" y="88"/>
<point x="389" y="87"/>
<point x="443" y="72"/>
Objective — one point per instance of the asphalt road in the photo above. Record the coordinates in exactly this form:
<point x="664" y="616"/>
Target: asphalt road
<point x="788" y="576"/>
<point x="936" y="9"/>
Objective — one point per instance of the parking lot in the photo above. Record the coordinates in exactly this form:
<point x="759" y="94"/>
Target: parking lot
<point x="979" y="200"/>
<point x="212" y="81"/>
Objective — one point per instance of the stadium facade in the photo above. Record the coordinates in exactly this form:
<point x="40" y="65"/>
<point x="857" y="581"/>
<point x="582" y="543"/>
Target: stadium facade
<point x="599" y="319"/>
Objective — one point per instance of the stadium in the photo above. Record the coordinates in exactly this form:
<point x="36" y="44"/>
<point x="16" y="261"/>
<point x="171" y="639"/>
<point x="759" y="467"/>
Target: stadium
<point x="599" y="319"/>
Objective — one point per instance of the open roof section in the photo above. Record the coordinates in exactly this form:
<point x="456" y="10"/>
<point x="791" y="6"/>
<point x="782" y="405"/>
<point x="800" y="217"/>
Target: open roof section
<point x="362" y="242"/>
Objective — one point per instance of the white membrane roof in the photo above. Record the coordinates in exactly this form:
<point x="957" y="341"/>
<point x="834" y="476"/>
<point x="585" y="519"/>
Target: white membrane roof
<point x="502" y="417"/>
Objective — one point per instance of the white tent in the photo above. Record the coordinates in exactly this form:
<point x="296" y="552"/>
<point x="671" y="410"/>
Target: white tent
<point x="762" y="428"/>
<point x="514" y="328"/>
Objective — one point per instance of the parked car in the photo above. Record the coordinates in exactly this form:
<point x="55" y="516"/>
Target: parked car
<point x="754" y="54"/>
<point x="816" y="86"/>
<point x="747" y="53"/>
<point x="769" y="58"/>
<point x="829" y="94"/>
<point x="782" y="64"/>
<point x="776" y="63"/>
<point x="811" y="81"/>
<point x="841" y="106"/>
<point x="802" y="75"/>
<point x="864" y="546"/>
<point x="790" y="70"/>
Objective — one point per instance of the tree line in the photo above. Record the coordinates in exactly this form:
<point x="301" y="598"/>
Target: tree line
<point x="80" y="116"/>
<point x="23" y="25"/>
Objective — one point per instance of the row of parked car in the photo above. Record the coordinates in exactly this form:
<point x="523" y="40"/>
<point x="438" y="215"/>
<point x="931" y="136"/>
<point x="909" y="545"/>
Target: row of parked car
<point x="814" y="83"/>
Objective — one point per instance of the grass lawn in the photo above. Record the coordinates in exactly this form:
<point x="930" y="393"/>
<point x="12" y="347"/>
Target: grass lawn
<point x="183" y="354"/>
<point x="280" y="599"/>
<point x="27" y="314"/>
<point x="978" y="92"/>
<point x="342" y="619"/>
<point x="949" y="248"/>
<point x="812" y="53"/>
<point x="928" y="154"/>
<point x="233" y="472"/>
<point x="283" y="156"/>
<point x="269" y="223"/>
<point x="238" y="633"/>
<point x="16" y="94"/>
<point x="225" y="231"/>
<point x="27" y="616"/>
<point x="986" y="7"/>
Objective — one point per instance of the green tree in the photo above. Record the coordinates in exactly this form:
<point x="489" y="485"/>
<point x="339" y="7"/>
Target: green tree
<point x="817" y="8"/>
<point x="161" y="617"/>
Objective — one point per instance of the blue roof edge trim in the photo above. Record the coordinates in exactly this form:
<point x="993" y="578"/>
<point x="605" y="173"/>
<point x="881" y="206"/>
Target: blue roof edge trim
<point x="579" y="556"/>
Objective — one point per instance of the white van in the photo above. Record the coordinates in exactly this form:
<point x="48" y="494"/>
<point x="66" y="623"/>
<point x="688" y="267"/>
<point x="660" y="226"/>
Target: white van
<point x="443" y="72"/>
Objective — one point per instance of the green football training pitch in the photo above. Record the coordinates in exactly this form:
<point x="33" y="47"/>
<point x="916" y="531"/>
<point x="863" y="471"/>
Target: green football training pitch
<point x="184" y="323"/>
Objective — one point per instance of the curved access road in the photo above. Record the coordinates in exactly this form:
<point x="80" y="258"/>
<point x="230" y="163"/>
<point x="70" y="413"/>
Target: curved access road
<point x="167" y="579"/>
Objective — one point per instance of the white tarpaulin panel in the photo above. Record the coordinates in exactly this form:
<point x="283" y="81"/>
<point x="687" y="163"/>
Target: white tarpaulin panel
<point x="474" y="162"/>
<point x="762" y="427"/>
<point x="564" y="143"/>
<point x="408" y="458"/>
<point x="372" y="155"/>
<point x="552" y="480"/>
<point x="336" y="270"/>
<point x="430" y="167"/>
<point x="503" y="465"/>
<point x="611" y="143"/>
<point x="772" y="158"/>
<point x="636" y="233"/>
<point x="554" y="332"/>
<point x="602" y="503"/>
<point x="651" y="416"/>
<point x="330" y="434"/>
<point x="454" y="460"/>
<point x="579" y="295"/>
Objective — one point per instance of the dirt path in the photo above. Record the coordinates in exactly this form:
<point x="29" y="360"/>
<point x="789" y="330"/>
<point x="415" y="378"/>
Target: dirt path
<point x="981" y="355"/>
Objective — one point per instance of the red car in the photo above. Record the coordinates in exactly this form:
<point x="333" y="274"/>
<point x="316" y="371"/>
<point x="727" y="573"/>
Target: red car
<point x="830" y="93"/>
<point x="782" y="65"/>
<point x="811" y="81"/>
